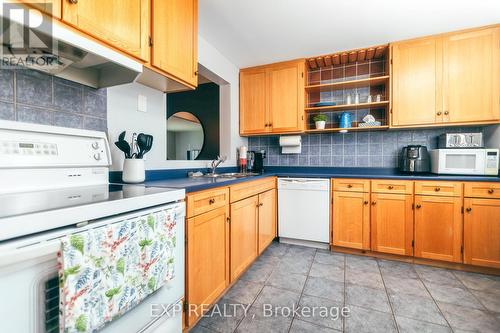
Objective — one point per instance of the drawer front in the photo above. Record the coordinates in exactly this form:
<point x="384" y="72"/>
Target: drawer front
<point x="453" y="189"/>
<point x="482" y="190"/>
<point x="392" y="186"/>
<point x="351" y="185"/>
<point x="205" y="201"/>
<point x="250" y="188"/>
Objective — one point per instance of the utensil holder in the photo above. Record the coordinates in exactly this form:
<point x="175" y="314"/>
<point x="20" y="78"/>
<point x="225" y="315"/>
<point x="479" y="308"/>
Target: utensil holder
<point x="133" y="170"/>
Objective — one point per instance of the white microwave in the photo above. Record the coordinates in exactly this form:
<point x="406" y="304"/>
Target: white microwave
<point x="465" y="161"/>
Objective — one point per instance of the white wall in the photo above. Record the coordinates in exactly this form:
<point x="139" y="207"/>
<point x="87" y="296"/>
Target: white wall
<point x="492" y="136"/>
<point x="123" y="114"/>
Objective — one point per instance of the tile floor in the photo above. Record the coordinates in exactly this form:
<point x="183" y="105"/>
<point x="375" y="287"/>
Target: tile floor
<point x="382" y="296"/>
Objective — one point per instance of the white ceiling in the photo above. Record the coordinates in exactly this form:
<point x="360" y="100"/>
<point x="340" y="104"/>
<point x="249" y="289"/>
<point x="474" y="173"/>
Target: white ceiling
<point x="253" y="32"/>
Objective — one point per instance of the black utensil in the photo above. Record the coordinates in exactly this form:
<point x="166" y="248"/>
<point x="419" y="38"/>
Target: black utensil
<point x="124" y="147"/>
<point x="149" y="143"/>
<point x="121" y="137"/>
<point x="141" y="144"/>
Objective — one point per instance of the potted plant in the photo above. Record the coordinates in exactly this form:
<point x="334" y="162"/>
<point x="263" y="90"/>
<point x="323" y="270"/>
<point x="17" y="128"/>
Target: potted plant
<point x="320" y="121"/>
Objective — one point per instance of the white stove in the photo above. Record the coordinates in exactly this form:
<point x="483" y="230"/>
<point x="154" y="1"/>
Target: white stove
<point x="54" y="182"/>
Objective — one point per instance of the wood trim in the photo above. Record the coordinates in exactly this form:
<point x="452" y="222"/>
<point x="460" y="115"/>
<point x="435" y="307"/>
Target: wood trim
<point x="417" y="261"/>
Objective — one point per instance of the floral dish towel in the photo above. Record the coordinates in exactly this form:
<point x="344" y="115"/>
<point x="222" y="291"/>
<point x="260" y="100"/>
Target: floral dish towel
<point x="106" y="271"/>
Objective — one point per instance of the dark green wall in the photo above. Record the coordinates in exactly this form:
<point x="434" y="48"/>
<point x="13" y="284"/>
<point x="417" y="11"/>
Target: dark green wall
<point x="204" y="104"/>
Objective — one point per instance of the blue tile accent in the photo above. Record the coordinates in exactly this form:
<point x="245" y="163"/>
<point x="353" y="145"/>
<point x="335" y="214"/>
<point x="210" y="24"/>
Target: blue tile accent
<point x="48" y="100"/>
<point x="366" y="149"/>
<point x="7" y="111"/>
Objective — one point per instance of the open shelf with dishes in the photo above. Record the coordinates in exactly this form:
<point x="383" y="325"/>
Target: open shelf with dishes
<point x="355" y="82"/>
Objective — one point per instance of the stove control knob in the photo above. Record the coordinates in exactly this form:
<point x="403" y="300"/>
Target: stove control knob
<point x="95" y="145"/>
<point x="97" y="156"/>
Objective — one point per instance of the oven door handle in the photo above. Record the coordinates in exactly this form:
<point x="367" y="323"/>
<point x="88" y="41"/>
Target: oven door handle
<point x="29" y="252"/>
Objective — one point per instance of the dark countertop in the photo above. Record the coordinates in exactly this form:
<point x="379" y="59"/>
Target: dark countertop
<point x="197" y="184"/>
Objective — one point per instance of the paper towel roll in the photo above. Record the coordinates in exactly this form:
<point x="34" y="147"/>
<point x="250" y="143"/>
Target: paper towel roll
<point x="290" y="141"/>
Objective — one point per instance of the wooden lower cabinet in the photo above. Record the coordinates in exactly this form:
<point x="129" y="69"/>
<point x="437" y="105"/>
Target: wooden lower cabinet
<point x="267" y="219"/>
<point x="482" y="232"/>
<point x="351" y="219"/>
<point x="438" y="228"/>
<point x="244" y="234"/>
<point x="207" y="251"/>
<point x="392" y="223"/>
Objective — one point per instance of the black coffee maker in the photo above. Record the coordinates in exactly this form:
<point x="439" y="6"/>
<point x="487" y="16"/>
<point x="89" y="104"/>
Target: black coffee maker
<point x="255" y="161"/>
<point x="415" y="159"/>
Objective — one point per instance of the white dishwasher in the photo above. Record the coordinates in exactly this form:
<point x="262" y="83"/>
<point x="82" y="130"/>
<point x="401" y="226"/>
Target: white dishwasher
<point x="304" y="211"/>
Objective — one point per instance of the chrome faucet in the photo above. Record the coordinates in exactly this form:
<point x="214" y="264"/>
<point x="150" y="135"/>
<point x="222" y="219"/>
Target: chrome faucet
<point x="217" y="162"/>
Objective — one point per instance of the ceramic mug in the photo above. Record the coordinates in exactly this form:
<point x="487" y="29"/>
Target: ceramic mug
<point x="133" y="170"/>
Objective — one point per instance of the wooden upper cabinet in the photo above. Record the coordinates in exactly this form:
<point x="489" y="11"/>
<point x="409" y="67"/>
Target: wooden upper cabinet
<point x="438" y="228"/>
<point x="482" y="232"/>
<point x="123" y="24"/>
<point x="392" y="223"/>
<point x="254" y="112"/>
<point x="351" y="220"/>
<point x="175" y="39"/>
<point x="416" y="90"/>
<point x="51" y="7"/>
<point x="267" y="219"/>
<point x="286" y="97"/>
<point x="244" y="219"/>
<point x="471" y="76"/>
<point x="447" y="79"/>
<point x="272" y="98"/>
<point x="207" y="259"/>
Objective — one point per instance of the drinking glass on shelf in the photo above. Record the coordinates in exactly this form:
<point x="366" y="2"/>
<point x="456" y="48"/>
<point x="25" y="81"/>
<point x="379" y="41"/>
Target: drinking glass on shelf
<point x="369" y="99"/>
<point x="348" y="100"/>
<point x="356" y="98"/>
<point x="378" y="98"/>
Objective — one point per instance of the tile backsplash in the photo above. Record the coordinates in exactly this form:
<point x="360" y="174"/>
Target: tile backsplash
<point x="354" y="149"/>
<point x="36" y="97"/>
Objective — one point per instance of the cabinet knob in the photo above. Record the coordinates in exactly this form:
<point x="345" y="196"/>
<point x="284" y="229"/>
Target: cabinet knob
<point x="74" y="2"/>
<point x="349" y="186"/>
<point x="366" y="202"/>
<point x="270" y="124"/>
<point x="437" y="189"/>
<point x="446" y="113"/>
<point x="211" y="201"/>
<point x="468" y="209"/>
<point x="195" y="73"/>
<point x="418" y="206"/>
<point x="390" y="187"/>
<point x="374" y="203"/>
<point x="266" y="125"/>
<point x="491" y="191"/>
<point x="228" y="219"/>
<point x="439" y="113"/>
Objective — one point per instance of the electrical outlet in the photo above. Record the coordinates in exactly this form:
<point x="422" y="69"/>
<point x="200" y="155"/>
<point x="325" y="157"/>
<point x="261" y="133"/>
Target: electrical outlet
<point x="142" y="103"/>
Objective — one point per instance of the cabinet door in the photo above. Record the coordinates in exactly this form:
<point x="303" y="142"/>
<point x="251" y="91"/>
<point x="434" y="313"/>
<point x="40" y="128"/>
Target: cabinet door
<point x="482" y="232"/>
<point x="351" y="220"/>
<point x="286" y="97"/>
<point x="253" y="102"/>
<point x="416" y="82"/>
<point x="438" y="228"/>
<point x="123" y="24"/>
<point x="244" y="219"/>
<point x="472" y="76"/>
<point x="267" y="219"/>
<point x="51" y="7"/>
<point x="175" y="38"/>
<point x="207" y="259"/>
<point x="392" y="223"/>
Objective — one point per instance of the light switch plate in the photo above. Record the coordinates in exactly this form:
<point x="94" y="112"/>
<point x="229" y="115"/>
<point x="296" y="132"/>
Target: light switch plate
<point x="142" y="103"/>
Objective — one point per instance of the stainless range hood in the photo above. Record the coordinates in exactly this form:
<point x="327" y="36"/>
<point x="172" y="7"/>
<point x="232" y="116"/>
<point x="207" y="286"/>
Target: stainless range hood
<point x="53" y="48"/>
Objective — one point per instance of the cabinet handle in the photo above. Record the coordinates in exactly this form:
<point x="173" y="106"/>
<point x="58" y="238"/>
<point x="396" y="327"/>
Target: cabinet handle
<point x="211" y="201"/>
<point x="468" y="209"/>
<point x="228" y="219"/>
<point x="491" y="191"/>
<point x="446" y="113"/>
<point x="349" y="186"/>
<point x="74" y="2"/>
<point x="374" y="203"/>
<point x="437" y="189"/>
<point x="418" y="206"/>
<point x="366" y="202"/>
<point x="270" y="124"/>
<point x="261" y="204"/>
<point x="439" y="113"/>
<point x="390" y="187"/>
<point x="195" y="73"/>
<point x="266" y="125"/>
